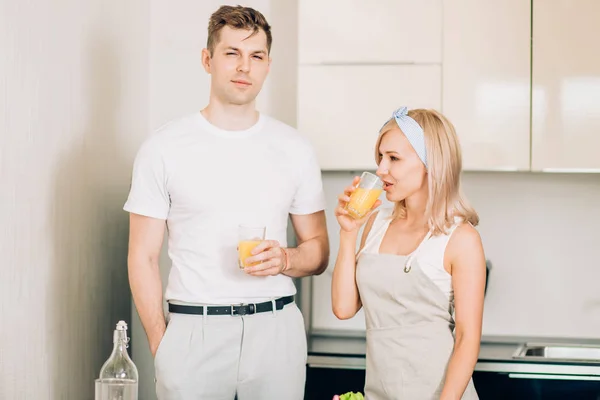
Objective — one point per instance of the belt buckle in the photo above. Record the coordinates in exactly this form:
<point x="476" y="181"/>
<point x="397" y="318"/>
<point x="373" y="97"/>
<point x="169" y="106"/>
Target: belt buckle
<point x="233" y="312"/>
<point x="242" y="311"/>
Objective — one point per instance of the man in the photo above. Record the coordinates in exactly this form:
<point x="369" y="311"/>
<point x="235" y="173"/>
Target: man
<point x="231" y="331"/>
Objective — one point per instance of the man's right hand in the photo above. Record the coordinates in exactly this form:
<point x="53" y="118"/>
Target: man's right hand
<point x="145" y="242"/>
<point x="155" y="343"/>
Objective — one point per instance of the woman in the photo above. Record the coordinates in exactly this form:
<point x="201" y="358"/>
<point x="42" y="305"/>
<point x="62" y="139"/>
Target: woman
<point x="420" y="269"/>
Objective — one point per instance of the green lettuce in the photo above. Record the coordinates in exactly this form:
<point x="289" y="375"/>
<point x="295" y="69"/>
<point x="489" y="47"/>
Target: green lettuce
<point x="352" y="396"/>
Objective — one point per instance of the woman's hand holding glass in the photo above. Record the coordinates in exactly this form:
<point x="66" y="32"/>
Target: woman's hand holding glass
<point x="348" y="220"/>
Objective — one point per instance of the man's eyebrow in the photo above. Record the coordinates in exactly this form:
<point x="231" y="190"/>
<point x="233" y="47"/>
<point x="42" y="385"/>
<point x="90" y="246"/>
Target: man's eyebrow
<point x="253" y="52"/>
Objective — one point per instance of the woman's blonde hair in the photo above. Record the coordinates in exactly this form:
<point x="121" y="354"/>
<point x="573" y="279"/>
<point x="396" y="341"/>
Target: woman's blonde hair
<point x="444" y="160"/>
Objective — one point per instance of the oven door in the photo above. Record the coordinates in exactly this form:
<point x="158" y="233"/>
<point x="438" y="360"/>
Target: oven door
<point x="530" y="386"/>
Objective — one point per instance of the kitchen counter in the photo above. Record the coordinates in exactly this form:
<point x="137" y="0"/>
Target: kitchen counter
<point x="496" y="355"/>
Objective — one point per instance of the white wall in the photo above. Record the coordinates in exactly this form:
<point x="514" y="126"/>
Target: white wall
<point x="73" y="109"/>
<point x="541" y="233"/>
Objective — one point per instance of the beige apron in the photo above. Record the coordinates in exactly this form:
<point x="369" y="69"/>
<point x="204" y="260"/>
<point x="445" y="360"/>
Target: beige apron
<point x="409" y="329"/>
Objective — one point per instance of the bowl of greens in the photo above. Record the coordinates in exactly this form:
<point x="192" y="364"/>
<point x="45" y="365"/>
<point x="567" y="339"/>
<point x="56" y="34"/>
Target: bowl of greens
<point x="352" y="396"/>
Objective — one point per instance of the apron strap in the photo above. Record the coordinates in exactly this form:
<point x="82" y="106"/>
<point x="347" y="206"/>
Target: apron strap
<point x="376" y="234"/>
<point x="411" y="257"/>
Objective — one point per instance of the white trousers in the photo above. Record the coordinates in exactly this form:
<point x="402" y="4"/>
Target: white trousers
<point x="258" y="357"/>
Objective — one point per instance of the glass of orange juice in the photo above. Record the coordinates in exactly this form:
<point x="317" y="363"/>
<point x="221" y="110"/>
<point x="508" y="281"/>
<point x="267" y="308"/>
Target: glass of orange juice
<point x="248" y="238"/>
<point x="365" y="195"/>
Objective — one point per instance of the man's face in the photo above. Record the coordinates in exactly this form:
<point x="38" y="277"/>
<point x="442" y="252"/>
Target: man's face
<point x="238" y="66"/>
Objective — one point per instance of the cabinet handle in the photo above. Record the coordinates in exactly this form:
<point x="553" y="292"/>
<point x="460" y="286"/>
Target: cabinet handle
<point x="336" y="362"/>
<point x="558" y="377"/>
<point x="572" y="170"/>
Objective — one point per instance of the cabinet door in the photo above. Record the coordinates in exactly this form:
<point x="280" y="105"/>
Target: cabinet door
<point x="359" y="31"/>
<point x="342" y="108"/>
<point x="486" y="81"/>
<point x="566" y="85"/>
<point x="324" y="383"/>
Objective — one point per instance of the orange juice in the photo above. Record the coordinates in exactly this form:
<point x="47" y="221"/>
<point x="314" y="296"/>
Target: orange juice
<point x="244" y="249"/>
<point x="361" y="201"/>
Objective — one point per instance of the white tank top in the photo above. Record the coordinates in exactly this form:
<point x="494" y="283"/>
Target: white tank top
<point x="430" y="256"/>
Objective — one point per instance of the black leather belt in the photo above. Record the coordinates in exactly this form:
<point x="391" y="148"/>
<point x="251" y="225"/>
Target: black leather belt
<point x="241" y="309"/>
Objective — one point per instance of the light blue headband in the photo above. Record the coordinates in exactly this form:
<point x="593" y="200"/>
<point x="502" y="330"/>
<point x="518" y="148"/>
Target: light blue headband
<point x="412" y="130"/>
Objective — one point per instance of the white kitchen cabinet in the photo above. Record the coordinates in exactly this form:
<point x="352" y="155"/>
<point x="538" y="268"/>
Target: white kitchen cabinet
<point x="486" y="80"/>
<point x="375" y="32"/>
<point x="566" y="85"/>
<point x="342" y="108"/>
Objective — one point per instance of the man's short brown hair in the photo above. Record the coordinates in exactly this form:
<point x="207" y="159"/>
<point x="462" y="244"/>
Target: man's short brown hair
<point x="236" y="17"/>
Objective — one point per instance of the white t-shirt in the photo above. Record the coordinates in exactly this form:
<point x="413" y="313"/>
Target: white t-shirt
<point x="205" y="181"/>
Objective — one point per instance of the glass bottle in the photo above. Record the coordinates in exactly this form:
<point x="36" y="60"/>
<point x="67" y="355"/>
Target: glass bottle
<point x="118" y="376"/>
